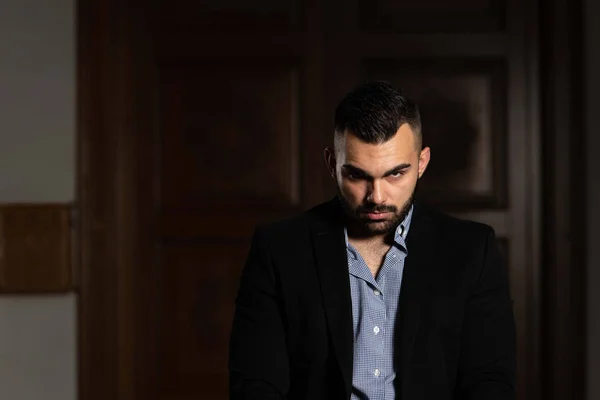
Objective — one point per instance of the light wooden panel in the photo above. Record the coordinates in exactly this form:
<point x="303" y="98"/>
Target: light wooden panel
<point x="35" y="248"/>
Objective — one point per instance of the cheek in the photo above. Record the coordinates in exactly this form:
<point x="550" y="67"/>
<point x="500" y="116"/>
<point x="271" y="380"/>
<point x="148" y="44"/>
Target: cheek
<point x="353" y="191"/>
<point x="403" y="189"/>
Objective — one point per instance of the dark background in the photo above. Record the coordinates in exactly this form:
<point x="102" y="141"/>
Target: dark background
<point x="200" y="119"/>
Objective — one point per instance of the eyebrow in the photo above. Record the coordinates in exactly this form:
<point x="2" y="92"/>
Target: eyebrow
<point x="364" y="174"/>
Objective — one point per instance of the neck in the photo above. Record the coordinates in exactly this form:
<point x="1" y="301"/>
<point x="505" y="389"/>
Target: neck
<point x="356" y="236"/>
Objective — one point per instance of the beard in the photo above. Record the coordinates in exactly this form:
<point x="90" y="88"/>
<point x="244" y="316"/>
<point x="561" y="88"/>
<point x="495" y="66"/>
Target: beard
<point x="365" y="227"/>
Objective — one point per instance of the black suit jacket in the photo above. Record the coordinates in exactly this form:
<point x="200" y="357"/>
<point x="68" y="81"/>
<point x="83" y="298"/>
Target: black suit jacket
<point x="292" y="335"/>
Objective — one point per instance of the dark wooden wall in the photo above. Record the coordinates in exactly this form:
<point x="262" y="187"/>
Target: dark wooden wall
<point x="199" y="119"/>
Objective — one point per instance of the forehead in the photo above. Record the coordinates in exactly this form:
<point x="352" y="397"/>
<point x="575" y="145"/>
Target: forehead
<point x="374" y="158"/>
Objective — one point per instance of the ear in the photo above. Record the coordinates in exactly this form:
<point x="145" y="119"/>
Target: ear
<point x="424" y="160"/>
<point x="330" y="161"/>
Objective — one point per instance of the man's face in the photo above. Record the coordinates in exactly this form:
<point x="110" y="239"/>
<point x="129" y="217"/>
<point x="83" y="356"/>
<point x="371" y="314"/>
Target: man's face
<point x="377" y="182"/>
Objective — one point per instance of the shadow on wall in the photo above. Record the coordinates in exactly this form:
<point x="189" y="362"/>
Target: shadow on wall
<point x="452" y="135"/>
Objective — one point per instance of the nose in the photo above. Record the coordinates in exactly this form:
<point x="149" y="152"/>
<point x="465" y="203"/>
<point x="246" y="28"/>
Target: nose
<point x="375" y="194"/>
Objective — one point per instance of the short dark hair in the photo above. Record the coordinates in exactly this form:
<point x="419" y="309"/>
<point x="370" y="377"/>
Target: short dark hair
<point x="375" y="111"/>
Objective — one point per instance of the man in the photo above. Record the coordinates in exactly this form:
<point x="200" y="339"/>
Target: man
<point x="372" y="295"/>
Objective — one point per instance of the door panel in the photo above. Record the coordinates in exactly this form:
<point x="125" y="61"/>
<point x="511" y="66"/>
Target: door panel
<point x="199" y="282"/>
<point x="231" y="135"/>
<point x="239" y="112"/>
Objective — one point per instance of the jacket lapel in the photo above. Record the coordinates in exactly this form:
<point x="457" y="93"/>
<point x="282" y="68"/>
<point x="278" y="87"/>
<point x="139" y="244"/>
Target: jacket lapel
<point x="418" y="266"/>
<point x="332" y="265"/>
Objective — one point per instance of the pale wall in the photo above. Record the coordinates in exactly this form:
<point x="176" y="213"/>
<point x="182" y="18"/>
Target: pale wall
<point x="37" y="140"/>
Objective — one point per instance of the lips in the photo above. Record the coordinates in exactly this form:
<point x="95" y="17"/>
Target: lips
<point x="377" y="215"/>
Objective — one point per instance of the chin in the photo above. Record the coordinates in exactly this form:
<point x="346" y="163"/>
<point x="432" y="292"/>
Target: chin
<point x="379" y="227"/>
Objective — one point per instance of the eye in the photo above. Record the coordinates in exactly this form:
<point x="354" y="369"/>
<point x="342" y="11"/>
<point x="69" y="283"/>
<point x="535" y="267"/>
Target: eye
<point x="396" y="174"/>
<point x="352" y="175"/>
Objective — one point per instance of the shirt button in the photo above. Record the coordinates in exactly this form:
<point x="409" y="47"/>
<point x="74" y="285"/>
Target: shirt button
<point x="393" y="255"/>
<point x="376" y="330"/>
<point x="376" y="292"/>
<point x="377" y="372"/>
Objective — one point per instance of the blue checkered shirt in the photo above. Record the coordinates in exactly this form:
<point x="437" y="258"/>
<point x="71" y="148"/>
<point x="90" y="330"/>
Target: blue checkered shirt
<point x="374" y="306"/>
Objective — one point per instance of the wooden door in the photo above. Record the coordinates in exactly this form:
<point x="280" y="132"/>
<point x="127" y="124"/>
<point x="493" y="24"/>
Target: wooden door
<point x="212" y="116"/>
<point x="240" y="142"/>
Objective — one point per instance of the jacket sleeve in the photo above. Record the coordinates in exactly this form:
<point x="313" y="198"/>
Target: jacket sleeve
<point x="488" y="361"/>
<point x="258" y="359"/>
